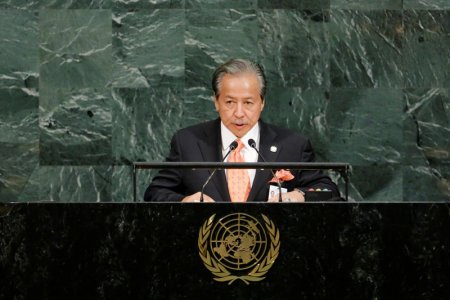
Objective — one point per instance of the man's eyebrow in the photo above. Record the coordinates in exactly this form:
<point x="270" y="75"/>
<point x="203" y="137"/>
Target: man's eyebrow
<point x="233" y="98"/>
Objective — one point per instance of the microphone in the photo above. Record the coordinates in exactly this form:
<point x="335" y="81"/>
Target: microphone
<point x="252" y="143"/>
<point x="232" y="146"/>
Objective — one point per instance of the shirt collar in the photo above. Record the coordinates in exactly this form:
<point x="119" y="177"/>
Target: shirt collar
<point x="228" y="137"/>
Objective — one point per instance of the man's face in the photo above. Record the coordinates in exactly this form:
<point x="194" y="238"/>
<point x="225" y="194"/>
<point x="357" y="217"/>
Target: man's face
<point x="239" y="104"/>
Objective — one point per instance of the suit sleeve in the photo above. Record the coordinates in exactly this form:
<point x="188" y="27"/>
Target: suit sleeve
<point x="314" y="178"/>
<point x="167" y="185"/>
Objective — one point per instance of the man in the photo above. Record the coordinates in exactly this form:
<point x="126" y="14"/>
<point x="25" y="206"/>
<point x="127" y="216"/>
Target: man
<point x="239" y="88"/>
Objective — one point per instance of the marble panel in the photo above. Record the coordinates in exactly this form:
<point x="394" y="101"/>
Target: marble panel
<point x="68" y="184"/>
<point x="366" y="4"/>
<point x="198" y="106"/>
<point x="366" y="48"/>
<point x="221" y="4"/>
<point x="365" y="126"/>
<point x="19" y="4"/>
<point x="19" y="54"/>
<point x="148" y="48"/>
<point x="18" y="161"/>
<point x="60" y="4"/>
<point x="75" y="48"/>
<point x="78" y="4"/>
<point x="427" y="145"/>
<point x="426" y="53"/>
<point x="427" y="124"/>
<point x="19" y="116"/>
<point x="145" y="4"/>
<point x="73" y="183"/>
<point x="32" y="183"/>
<point x="19" y="140"/>
<point x="293" y="47"/>
<point x="376" y="183"/>
<point x="214" y="36"/>
<point x="426" y="4"/>
<point x="425" y="183"/>
<point x="75" y="127"/>
<point x="302" y="4"/>
<point x="144" y="122"/>
<point x="302" y="110"/>
<point x="122" y="183"/>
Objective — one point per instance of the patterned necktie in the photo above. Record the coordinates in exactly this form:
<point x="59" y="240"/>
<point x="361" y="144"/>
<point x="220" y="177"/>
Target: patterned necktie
<point x="238" y="179"/>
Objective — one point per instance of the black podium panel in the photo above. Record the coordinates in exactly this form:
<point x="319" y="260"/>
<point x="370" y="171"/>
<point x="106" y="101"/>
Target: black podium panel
<point x="151" y="251"/>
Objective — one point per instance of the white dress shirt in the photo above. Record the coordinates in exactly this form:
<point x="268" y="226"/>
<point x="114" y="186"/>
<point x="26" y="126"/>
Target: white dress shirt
<point x="250" y="155"/>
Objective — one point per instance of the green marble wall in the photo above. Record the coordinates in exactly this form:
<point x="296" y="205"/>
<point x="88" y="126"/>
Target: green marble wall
<point x="87" y="87"/>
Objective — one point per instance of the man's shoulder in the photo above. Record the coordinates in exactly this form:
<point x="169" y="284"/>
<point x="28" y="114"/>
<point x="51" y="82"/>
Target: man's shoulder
<point x="198" y="129"/>
<point x="284" y="133"/>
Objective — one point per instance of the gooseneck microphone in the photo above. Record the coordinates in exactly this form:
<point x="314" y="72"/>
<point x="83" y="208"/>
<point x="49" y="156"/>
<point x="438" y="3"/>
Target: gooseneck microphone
<point x="232" y="146"/>
<point x="252" y="143"/>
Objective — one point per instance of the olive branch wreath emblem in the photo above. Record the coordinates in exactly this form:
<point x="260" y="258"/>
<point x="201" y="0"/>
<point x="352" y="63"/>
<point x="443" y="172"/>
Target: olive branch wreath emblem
<point x="221" y="273"/>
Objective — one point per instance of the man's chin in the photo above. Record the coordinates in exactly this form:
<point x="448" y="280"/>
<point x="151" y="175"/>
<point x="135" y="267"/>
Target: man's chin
<point x="240" y="131"/>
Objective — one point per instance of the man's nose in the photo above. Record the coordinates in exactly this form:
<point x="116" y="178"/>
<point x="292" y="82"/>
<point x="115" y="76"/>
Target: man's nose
<point x="239" y="112"/>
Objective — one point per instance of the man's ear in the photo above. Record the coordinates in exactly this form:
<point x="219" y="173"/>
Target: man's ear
<point x="216" y="104"/>
<point x="263" y="102"/>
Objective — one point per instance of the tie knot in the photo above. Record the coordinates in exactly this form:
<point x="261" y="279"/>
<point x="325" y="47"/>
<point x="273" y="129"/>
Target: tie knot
<point x="240" y="145"/>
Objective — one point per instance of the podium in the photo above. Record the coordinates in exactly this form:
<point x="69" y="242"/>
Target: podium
<point x="151" y="251"/>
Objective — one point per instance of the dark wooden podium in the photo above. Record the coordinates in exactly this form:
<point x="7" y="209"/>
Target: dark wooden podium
<point x="150" y="251"/>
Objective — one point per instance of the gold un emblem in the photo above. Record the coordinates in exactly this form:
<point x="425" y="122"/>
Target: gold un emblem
<point x="237" y="246"/>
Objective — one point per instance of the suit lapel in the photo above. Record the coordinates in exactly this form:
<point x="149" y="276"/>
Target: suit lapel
<point x="211" y="149"/>
<point x="266" y="141"/>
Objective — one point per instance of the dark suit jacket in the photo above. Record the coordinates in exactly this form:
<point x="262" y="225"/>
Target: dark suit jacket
<point x="202" y="142"/>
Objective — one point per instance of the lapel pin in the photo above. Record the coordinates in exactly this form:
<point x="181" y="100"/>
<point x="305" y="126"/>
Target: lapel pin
<point x="273" y="149"/>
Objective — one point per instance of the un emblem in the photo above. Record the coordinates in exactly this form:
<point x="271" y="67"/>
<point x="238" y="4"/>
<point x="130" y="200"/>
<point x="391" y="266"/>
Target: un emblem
<point x="238" y="246"/>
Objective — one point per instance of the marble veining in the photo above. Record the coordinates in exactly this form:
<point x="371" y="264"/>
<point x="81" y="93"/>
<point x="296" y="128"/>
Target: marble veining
<point x="366" y="48"/>
<point x="146" y="4"/>
<point x="55" y="4"/>
<point x="72" y="184"/>
<point x="214" y="36"/>
<point x="294" y="4"/>
<point x="427" y="48"/>
<point x="75" y="127"/>
<point x="426" y="4"/>
<point x="368" y="121"/>
<point x="148" y="48"/>
<point x="141" y="132"/>
<point x="367" y="4"/>
<point x="300" y="60"/>
<point x="19" y="56"/>
<point x="427" y="146"/>
<point x="75" y="48"/>
<point x="19" y="140"/>
<point x="221" y="4"/>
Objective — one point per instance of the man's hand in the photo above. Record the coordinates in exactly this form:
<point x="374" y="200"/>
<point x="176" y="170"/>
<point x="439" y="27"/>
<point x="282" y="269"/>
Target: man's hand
<point x="294" y="196"/>
<point x="196" y="198"/>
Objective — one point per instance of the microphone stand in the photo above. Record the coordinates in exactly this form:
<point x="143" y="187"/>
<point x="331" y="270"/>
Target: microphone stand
<point x="252" y="143"/>
<point x="232" y="146"/>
